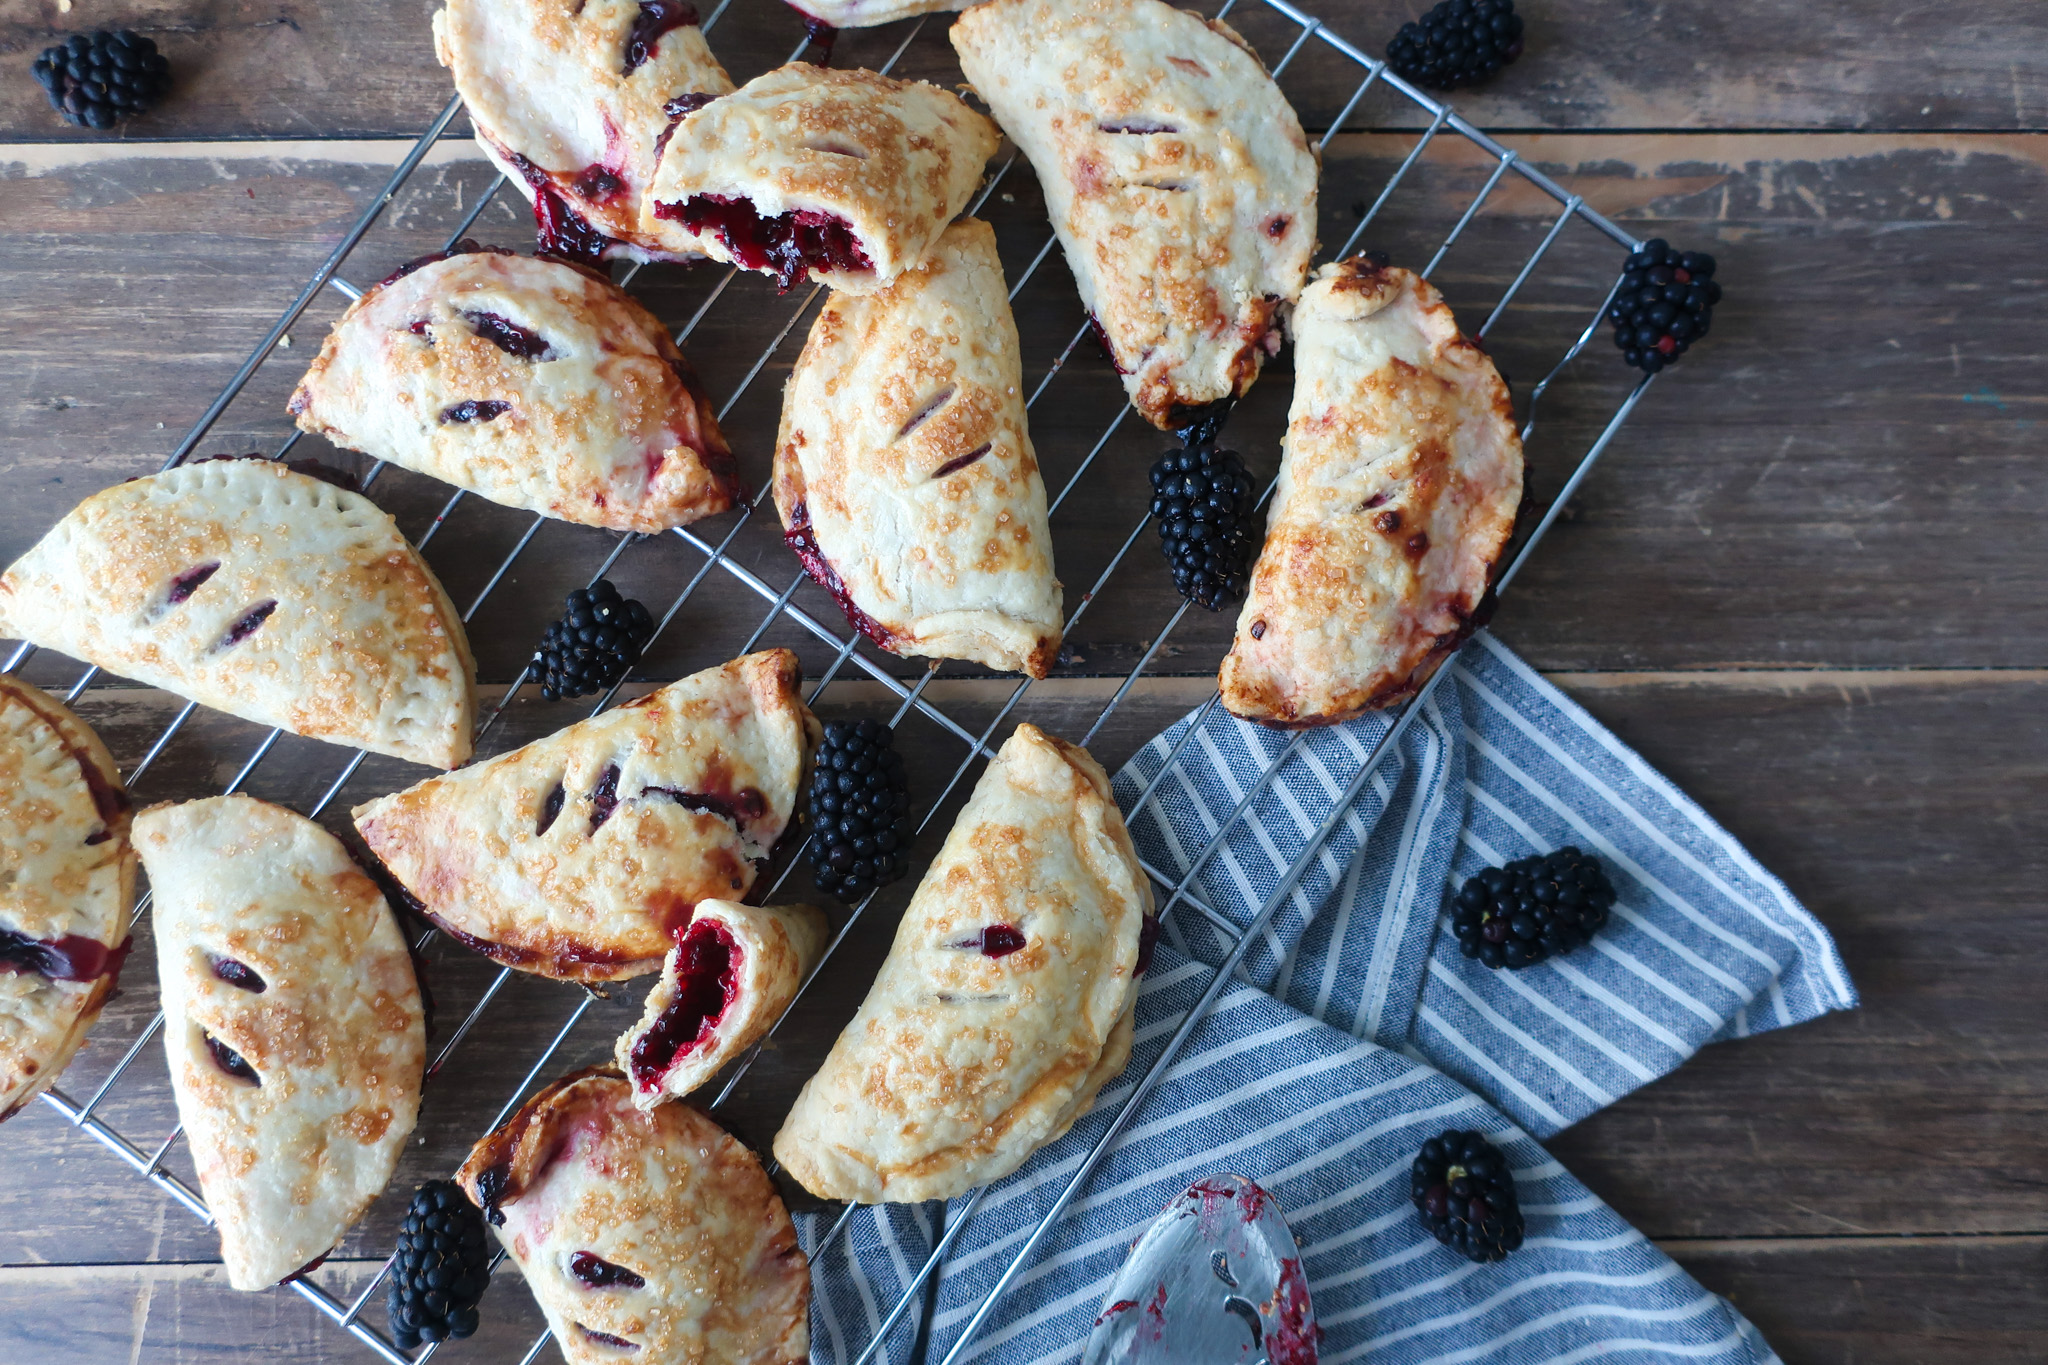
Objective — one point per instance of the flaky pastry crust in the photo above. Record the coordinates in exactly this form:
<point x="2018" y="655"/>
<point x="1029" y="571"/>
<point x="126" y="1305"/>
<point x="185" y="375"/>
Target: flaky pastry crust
<point x="869" y="13"/>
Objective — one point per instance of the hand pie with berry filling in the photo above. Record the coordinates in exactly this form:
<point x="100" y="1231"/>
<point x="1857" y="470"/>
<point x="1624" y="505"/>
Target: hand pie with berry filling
<point x="722" y="987"/>
<point x="1005" y="1002"/>
<point x="1400" y="477"/>
<point x="292" y="1023"/>
<point x="1177" y="177"/>
<point x="265" y="593"/>
<point x="904" y="474"/>
<point x="844" y="177"/>
<point x="582" y="855"/>
<point x="645" y="1235"/>
<point x="67" y="880"/>
<point x="529" y="382"/>
<point x="573" y="99"/>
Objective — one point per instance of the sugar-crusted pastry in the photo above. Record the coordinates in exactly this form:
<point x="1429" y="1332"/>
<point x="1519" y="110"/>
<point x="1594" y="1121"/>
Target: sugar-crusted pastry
<point x="1178" y="180"/>
<point x="722" y="987"/>
<point x="1400" y="478"/>
<point x="904" y="474"/>
<point x="582" y="855"/>
<point x="67" y="880"/>
<point x="1005" y="1002"/>
<point x="650" y="1236"/>
<point x="262" y="592"/>
<point x="868" y="13"/>
<point x="292" y="1023"/>
<point x="573" y="99"/>
<point x="530" y="382"/>
<point x="846" y="177"/>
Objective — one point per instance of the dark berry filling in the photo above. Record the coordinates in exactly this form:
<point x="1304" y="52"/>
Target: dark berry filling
<point x="491" y="1184"/>
<point x="954" y="466"/>
<point x="509" y="337"/>
<point x="251" y="621"/>
<point x="605" y="798"/>
<point x="1459" y="42"/>
<point x="598" y="1273"/>
<point x="707" y="978"/>
<point x="1102" y="340"/>
<point x="229" y="1060"/>
<point x="860" y="810"/>
<point x="187" y="583"/>
<point x="1148" y="939"/>
<point x="606" y="1338"/>
<point x="68" y="957"/>
<point x="559" y="230"/>
<point x="684" y="105"/>
<point x="441" y="1269"/>
<point x="238" y="974"/>
<point x="468" y="246"/>
<point x="932" y="405"/>
<point x="998" y="940"/>
<point x="1465" y="1195"/>
<point x="744" y="805"/>
<point x="550" y="809"/>
<point x="657" y="17"/>
<point x="801" y="539"/>
<point x="787" y="246"/>
<point x="1532" y="909"/>
<point x="475" y="410"/>
<point x="1141" y="127"/>
<point x="820" y="36"/>
<point x="597" y="184"/>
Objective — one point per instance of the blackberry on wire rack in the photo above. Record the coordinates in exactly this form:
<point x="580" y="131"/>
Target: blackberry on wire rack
<point x="1460" y="42"/>
<point x="1465" y="1195"/>
<point x="860" y="810"/>
<point x="442" y="1267"/>
<point x="100" y="79"/>
<point x="1532" y="909"/>
<point x="1665" y="303"/>
<point x="1203" y="501"/>
<point x="598" y="639"/>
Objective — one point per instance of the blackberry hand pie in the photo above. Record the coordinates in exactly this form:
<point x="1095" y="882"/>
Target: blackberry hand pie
<point x="573" y="99"/>
<point x="1177" y="177"/>
<point x="583" y="855"/>
<point x="529" y="382"/>
<point x="269" y="594"/>
<point x="292" y="1023"/>
<point x="646" y="1236"/>
<point x="844" y="177"/>
<point x="1005" y="1003"/>
<point x="1400" y="478"/>
<point x="904" y="475"/>
<point x="67" y="880"/>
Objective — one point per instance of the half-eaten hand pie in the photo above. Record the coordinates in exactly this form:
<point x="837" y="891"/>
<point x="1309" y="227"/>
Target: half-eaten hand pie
<point x="1400" y="478"/>
<point x="646" y="1236"/>
<point x="1005" y="1002"/>
<point x="265" y="593"/>
<point x="529" y="382"/>
<point x="582" y="855"/>
<point x="904" y="474"/>
<point x="292" y="1023"/>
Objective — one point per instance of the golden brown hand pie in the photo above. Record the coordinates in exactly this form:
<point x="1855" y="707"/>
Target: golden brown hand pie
<point x="572" y="100"/>
<point x="1005" y="1002"/>
<point x="1399" y="483"/>
<point x="529" y="382"/>
<point x="261" y="592"/>
<point x="722" y="987"/>
<point x="582" y="855"/>
<point x="846" y="177"/>
<point x="67" y="880"/>
<point x="904" y="474"/>
<point x="292" y="1023"/>
<point x="1177" y="177"/>
<point x="645" y="1236"/>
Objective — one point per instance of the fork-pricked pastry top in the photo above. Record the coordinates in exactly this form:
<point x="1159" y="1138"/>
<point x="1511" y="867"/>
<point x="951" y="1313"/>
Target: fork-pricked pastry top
<point x="292" y="1023"/>
<point x="1005" y="1002"/>
<point x="67" y="880"/>
<point x="582" y="855"/>
<point x="1400" y="478"/>
<point x="533" y="383"/>
<point x="846" y="177"/>
<point x="649" y="1236"/>
<point x="1176" y="174"/>
<point x="573" y="98"/>
<point x="258" y="591"/>
<point x="904" y="473"/>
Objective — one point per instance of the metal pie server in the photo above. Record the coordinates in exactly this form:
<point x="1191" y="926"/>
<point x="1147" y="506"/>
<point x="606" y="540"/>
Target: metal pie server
<point x="1216" y="1280"/>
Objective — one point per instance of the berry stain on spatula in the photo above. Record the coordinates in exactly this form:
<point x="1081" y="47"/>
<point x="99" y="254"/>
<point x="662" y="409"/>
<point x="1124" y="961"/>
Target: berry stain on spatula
<point x="1215" y="1280"/>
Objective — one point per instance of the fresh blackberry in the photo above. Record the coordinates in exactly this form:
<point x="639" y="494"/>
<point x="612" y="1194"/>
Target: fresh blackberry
<point x="1202" y="500"/>
<point x="1534" y="908"/>
<point x="599" y="637"/>
<point x="860" y="810"/>
<point x="1460" y="42"/>
<point x="1465" y="1195"/>
<point x="1665" y="303"/>
<point x="442" y="1267"/>
<point x="101" y="79"/>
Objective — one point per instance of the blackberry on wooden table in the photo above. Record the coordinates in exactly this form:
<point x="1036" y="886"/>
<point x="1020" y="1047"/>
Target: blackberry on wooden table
<point x="1460" y="42"/>
<point x="860" y="810"/>
<point x="1532" y="909"/>
<point x="100" y="79"/>
<point x="1203" y="501"/>
<point x="1665" y="303"/>
<point x="442" y="1267"/>
<point x="599" y="637"/>
<point x="1464" y="1193"/>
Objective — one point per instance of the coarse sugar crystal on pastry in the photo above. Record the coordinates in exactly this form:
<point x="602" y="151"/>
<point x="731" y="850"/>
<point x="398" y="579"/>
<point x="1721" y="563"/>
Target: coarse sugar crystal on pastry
<point x="292" y="1023"/>
<point x="531" y="382"/>
<point x="842" y="177"/>
<point x="1178" y="179"/>
<point x="583" y="855"/>
<point x="573" y="99"/>
<point x="262" y="592"/>
<point x="1400" y="479"/>
<point x="904" y="472"/>
<point x="1006" y="1000"/>
<point x="649" y="1236"/>
<point x="67" y="880"/>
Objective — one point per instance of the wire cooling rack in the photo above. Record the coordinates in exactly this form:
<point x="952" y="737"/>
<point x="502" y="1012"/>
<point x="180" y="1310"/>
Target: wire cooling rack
<point x="852" y="653"/>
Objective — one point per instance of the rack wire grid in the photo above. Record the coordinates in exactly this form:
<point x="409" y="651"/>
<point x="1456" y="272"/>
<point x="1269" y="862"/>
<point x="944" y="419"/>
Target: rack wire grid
<point x="1298" y="29"/>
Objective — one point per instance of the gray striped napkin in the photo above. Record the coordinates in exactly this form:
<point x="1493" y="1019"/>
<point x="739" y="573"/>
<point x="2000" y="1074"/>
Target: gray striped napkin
<point x="1358" y="1031"/>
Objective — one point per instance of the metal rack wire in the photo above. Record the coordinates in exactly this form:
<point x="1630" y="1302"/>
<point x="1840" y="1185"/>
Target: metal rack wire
<point x="1179" y="890"/>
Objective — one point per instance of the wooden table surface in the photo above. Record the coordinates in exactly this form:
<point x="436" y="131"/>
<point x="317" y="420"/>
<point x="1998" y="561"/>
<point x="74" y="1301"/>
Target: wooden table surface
<point x="1805" y="582"/>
